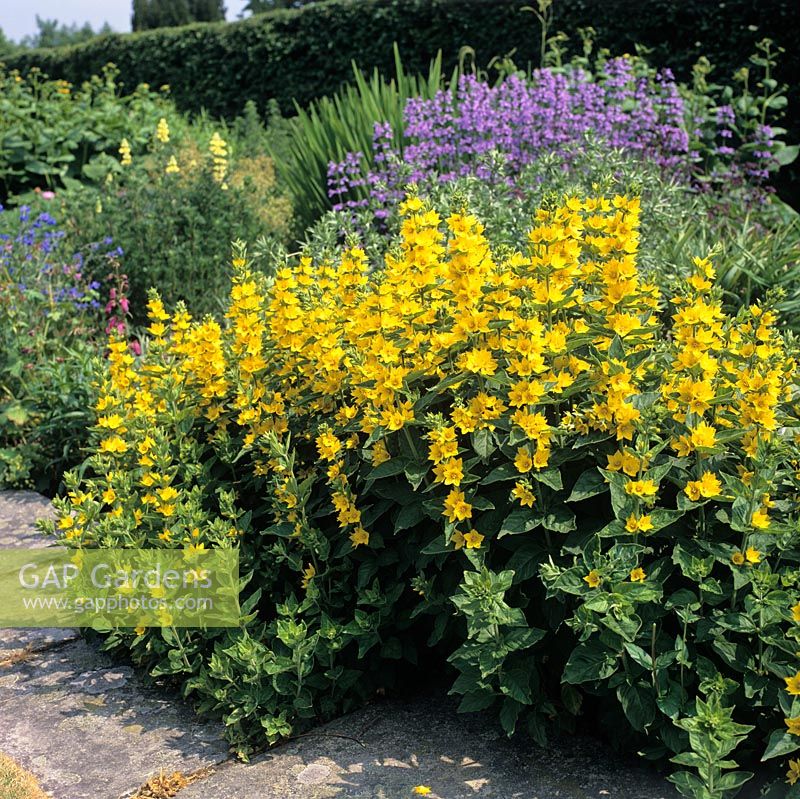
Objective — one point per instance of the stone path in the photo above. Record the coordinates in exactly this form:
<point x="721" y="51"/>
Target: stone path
<point x="90" y="728"/>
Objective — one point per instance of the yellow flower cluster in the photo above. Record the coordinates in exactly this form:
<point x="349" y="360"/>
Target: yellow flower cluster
<point x="449" y="352"/>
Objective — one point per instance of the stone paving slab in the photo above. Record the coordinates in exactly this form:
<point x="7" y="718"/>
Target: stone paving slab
<point x="85" y="726"/>
<point x="392" y="747"/>
<point x="19" y="511"/>
<point x="89" y="729"/>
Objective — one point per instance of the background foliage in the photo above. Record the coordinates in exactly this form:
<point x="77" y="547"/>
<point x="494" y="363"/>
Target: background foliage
<point x="299" y="55"/>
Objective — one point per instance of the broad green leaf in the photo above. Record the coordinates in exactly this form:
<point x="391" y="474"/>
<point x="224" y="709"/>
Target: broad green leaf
<point x="589" y="484"/>
<point x="589" y="661"/>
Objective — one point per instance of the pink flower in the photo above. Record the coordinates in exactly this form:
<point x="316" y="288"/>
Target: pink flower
<point x="48" y="195"/>
<point x="136" y="347"/>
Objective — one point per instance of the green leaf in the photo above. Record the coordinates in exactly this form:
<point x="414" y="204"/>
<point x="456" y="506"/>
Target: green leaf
<point x="409" y="516"/>
<point x="509" y="714"/>
<point x="560" y="520"/>
<point x="521" y="520"/>
<point x="780" y="743"/>
<point x="688" y="784"/>
<point x="733" y="780"/>
<point x="415" y="472"/>
<point x="550" y="477"/>
<point x="787" y="155"/>
<point x="638" y="655"/>
<point x="475" y="701"/>
<point x="483" y="443"/>
<point x="516" y="684"/>
<point x="637" y="704"/>
<point x="389" y="468"/>
<point x="589" y="661"/>
<point x="589" y="484"/>
<point x="502" y="473"/>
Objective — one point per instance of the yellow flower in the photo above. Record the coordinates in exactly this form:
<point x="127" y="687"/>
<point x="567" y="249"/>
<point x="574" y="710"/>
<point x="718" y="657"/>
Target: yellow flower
<point x="449" y="472"/>
<point x="638" y="575"/>
<point x="379" y="453"/>
<point x="359" y="537"/>
<point x="793" y="684"/>
<point x="308" y="575"/>
<point x="523" y="494"/>
<point x="737" y="558"/>
<point x="140" y="630"/>
<point x="456" y="508"/>
<point x="113" y="445"/>
<point x="593" y="579"/>
<point x="109" y="496"/>
<point x="523" y="460"/>
<point x="752" y="555"/>
<point x="479" y="361"/>
<point x="760" y="519"/>
<point x="473" y="539"/>
<point x="793" y="725"/>
<point x="641" y="488"/>
<point x="707" y="486"/>
<point x="704" y="435"/>
<point x="796" y="612"/>
<point x="793" y="774"/>
<point x="328" y="446"/>
<point x="422" y="790"/>
<point x="638" y="524"/>
<point x="172" y="167"/>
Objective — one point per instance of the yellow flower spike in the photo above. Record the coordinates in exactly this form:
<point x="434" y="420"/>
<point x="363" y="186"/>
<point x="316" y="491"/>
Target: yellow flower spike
<point x="172" y="167"/>
<point x="162" y="131"/>
<point x="125" y="153"/>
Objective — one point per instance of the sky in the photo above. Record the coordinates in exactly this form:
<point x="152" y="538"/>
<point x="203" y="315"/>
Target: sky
<point x="18" y="17"/>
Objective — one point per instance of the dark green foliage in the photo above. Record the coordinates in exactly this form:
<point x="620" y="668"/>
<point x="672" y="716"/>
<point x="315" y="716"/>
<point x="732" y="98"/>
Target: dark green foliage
<point x="151" y="14"/>
<point x="302" y="54"/>
<point x="262" y="6"/>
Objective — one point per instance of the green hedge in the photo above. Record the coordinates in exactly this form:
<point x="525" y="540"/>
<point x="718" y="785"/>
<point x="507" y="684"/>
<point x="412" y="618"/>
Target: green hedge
<point x="303" y="54"/>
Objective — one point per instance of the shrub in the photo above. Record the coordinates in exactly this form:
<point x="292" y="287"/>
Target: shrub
<point x="173" y="209"/>
<point x="50" y="130"/>
<point x="528" y="463"/>
<point x="50" y="333"/>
